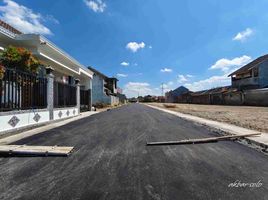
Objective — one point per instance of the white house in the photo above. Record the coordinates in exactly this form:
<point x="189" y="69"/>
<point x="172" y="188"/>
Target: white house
<point x="67" y="75"/>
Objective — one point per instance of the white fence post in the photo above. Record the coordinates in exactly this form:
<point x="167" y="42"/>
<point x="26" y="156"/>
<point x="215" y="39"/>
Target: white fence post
<point x="50" y="91"/>
<point x="77" y="83"/>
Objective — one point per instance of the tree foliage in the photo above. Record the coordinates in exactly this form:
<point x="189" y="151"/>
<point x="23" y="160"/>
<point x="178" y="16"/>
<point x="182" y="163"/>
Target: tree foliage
<point x="19" y="58"/>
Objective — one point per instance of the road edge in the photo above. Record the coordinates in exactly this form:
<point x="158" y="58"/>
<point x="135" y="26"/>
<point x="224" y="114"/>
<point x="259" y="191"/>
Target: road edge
<point x="225" y="128"/>
<point x="49" y="125"/>
<point x="36" y="130"/>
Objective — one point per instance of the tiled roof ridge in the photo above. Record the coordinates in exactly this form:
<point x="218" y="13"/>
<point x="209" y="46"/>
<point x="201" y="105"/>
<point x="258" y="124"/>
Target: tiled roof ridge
<point x="9" y="27"/>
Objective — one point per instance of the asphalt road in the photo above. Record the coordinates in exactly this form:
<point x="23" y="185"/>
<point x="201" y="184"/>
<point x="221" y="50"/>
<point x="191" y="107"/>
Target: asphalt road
<point x="111" y="161"/>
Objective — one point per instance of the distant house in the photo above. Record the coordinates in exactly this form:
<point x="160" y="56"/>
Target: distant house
<point x="211" y="96"/>
<point x="148" y="98"/>
<point x="140" y="98"/>
<point x="132" y="100"/>
<point x="161" y="99"/>
<point x="253" y="75"/>
<point x="122" y="98"/>
<point x="172" y="96"/>
<point x="185" y="97"/>
<point x="104" y="89"/>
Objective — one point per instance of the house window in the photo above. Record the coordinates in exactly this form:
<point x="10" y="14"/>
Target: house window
<point x="256" y="72"/>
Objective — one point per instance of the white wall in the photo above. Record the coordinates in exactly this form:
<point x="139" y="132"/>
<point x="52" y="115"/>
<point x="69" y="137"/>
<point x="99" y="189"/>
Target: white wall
<point x="73" y="111"/>
<point x="114" y="100"/>
<point x="25" y="119"/>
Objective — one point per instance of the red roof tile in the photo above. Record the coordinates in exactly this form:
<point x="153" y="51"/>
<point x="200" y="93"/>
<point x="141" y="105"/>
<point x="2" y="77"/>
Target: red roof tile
<point x="10" y="28"/>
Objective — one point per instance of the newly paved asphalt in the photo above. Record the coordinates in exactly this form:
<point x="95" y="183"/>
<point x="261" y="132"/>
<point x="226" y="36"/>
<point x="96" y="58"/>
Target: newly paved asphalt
<point x="111" y="161"/>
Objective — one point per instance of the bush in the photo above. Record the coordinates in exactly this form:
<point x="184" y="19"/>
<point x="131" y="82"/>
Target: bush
<point x="100" y="105"/>
<point x="2" y="71"/>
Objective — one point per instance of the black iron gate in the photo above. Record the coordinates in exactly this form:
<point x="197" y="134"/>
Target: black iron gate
<point x="22" y="91"/>
<point x="85" y="100"/>
<point x="64" y="95"/>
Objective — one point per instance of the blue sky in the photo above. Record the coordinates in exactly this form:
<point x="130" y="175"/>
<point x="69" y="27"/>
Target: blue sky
<point x="146" y="43"/>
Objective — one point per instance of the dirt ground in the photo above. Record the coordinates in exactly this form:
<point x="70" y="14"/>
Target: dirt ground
<point x="250" y="117"/>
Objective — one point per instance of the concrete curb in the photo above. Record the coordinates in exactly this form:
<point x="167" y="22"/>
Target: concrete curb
<point x="35" y="131"/>
<point x="261" y="141"/>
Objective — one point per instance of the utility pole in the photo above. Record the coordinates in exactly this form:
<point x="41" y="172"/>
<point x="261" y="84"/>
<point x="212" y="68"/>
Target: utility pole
<point x="138" y="95"/>
<point x="162" y="87"/>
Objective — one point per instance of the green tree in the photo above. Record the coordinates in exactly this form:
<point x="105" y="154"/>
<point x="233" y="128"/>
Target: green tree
<point x="19" y="58"/>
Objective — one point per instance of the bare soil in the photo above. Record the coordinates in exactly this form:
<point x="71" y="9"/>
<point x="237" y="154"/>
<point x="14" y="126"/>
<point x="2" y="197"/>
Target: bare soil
<point x="251" y="117"/>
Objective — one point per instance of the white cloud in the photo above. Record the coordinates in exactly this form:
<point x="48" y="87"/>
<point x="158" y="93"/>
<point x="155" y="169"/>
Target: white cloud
<point x="132" y="89"/>
<point x="226" y="65"/>
<point x="212" y="82"/>
<point x="122" y="75"/>
<point x="124" y="64"/>
<point x="150" y="47"/>
<point x="189" y="76"/>
<point x="242" y="36"/>
<point x="24" y="19"/>
<point x="170" y="83"/>
<point x="166" y="87"/>
<point x="182" y="78"/>
<point x="134" y="46"/>
<point x="96" y="5"/>
<point x="166" y="70"/>
<point x="52" y="19"/>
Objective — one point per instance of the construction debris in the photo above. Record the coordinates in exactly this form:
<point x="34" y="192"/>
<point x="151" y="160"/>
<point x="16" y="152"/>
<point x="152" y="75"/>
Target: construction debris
<point x="169" y="105"/>
<point x="35" y="150"/>
<point x="202" y="140"/>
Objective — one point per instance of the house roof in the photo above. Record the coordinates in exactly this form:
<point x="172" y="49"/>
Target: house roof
<point x="45" y="49"/>
<point x="223" y="89"/>
<point x="9" y="28"/>
<point x="101" y="74"/>
<point x="42" y="48"/>
<point x="97" y="72"/>
<point x="113" y="78"/>
<point x="178" y="91"/>
<point x="250" y="65"/>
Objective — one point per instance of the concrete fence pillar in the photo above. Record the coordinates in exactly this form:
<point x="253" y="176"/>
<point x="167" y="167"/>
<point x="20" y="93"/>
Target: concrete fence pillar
<point x="90" y="95"/>
<point x="77" y="83"/>
<point x="50" y="91"/>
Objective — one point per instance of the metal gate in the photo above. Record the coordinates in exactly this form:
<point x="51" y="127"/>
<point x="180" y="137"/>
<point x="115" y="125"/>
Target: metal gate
<point x="85" y="100"/>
